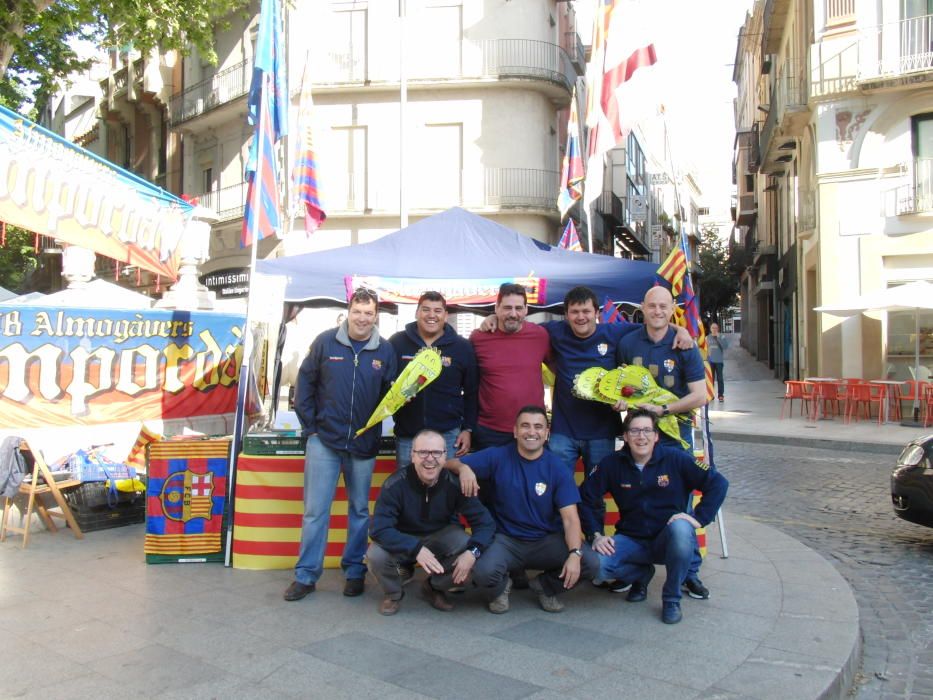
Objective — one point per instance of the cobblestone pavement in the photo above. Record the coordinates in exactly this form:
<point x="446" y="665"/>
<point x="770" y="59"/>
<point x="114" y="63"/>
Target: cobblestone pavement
<point x="840" y="505"/>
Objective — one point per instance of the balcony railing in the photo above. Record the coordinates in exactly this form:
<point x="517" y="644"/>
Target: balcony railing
<point x="220" y="88"/>
<point x="788" y="95"/>
<point x="501" y="188"/>
<point x="896" y="49"/>
<point x="228" y="202"/>
<point x="916" y="196"/>
<point x="498" y="58"/>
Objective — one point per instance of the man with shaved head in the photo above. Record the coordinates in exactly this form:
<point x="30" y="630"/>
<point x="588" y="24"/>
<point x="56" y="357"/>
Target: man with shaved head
<point x="679" y="371"/>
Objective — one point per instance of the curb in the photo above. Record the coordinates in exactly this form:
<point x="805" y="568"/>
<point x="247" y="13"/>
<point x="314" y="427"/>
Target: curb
<point x="836" y="445"/>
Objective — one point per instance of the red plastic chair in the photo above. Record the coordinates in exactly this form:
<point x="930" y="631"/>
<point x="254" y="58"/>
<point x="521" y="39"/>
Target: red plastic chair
<point x="927" y="405"/>
<point x="797" y="390"/>
<point x="863" y="396"/>
<point x="826" y="394"/>
<point x="915" y="391"/>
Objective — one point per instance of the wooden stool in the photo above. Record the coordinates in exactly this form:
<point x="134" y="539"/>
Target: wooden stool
<point x="33" y="489"/>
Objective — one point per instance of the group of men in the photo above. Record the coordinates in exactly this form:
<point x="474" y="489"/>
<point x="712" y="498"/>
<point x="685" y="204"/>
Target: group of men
<point x="489" y="399"/>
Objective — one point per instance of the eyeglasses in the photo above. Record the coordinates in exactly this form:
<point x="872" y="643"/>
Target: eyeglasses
<point x="641" y="431"/>
<point x="433" y="454"/>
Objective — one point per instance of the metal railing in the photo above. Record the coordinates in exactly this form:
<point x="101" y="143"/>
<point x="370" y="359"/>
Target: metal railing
<point x="228" y="202"/>
<point x="916" y="196"/>
<point x="520" y="187"/>
<point x="789" y="93"/>
<point x="896" y="48"/>
<point x="219" y="89"/>
<point x="500" y="58"/>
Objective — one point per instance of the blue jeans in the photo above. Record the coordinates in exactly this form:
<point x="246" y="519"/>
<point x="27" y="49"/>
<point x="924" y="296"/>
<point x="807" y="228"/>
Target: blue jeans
<point x="673" y="547"/>
<point x="322" y="468"/>
<point x="487" y="437"/>
<point x="568" y="449"/>
<point x="403" y="447"/>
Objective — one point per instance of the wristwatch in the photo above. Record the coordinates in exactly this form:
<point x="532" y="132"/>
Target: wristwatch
<point x="665" y="411"/>
<point x="577" y="551"/>
<point x="476" y="552"/>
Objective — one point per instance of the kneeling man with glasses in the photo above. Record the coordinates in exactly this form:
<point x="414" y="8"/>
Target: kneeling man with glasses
<point x="416" y="519"/>
<point x="651" y="485"/>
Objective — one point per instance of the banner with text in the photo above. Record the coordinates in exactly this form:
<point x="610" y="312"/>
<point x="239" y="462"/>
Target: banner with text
<point x="478" y="291"/>
<point x="88" y="366"/>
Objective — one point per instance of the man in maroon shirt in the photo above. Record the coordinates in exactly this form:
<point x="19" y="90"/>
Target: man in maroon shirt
<point x="509" y="367"/>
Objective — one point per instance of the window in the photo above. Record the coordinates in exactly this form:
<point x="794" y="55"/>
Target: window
<point x="347" y="45"/>
<point x="207" y="180"/>
<point x="921" y="129"/>
<point x="434" y="41"/>
<point x="348" y="190"/>
<point x="440" y="159"/>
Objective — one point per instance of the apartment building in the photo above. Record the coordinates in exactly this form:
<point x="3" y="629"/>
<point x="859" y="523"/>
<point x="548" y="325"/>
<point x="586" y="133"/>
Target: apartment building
<point x="834" y="121"/>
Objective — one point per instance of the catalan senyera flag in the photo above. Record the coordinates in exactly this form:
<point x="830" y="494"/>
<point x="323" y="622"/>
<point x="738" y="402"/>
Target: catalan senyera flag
<point x="571" y="175"/>
<point x="569" y="239"/>
<point x="304" y="171"/>
<point x="267" y="112"/>
<point x="674" y="271"/>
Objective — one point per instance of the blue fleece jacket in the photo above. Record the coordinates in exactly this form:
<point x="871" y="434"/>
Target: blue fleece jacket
<point x="647" y="499"/>
<point x="450" y="400"/>
<point x="338" y="389"/>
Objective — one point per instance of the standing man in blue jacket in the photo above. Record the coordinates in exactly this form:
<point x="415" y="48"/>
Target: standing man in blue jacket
<point x="650" y="484"/>
<point x="346" y="373"/>
<point x="448" y="404"/>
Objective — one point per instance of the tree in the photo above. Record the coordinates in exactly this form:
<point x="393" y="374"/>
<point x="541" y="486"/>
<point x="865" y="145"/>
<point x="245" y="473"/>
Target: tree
<point x="38" y="37"/>
<point x="17" y="258"/>
<point x="719" y="281"/>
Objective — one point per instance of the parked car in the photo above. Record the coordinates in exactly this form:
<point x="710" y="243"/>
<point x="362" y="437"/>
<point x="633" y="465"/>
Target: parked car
<point x="912" y="482"/>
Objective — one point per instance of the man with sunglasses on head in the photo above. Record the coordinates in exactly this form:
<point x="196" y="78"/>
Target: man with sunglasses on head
<point x="416" y="518"/>
<point x="448" y="404"/>
<point x="650" y="484"/>
<point x="346" y="373"/>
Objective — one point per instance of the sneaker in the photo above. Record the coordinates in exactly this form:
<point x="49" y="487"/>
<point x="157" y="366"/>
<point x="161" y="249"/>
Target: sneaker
<point x="695" y="589"/>
<point x="353" y="587"/>
<point x="548" y="603"/>
<point x="436" y="599"/>
<point x="298" y="590"/>
<point x="390" y="606"/>
<point x="619" y="586"/>
<point x="639" y="590"/>
<point x="721" y="399"/>
<point x="406" y="573"/>
<point x="670" y="613"/>
<point x="500" y="604"/>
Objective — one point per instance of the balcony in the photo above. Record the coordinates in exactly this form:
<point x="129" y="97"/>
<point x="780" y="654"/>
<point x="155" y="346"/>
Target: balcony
<point x="896" y="52"/>
<point x="806" y="215"/>
<point x="520" y="188"/>
<point x="615" y="213"/>
<point x="228" y="202"/>
<point x="775" y="19"/>
<point x="466" y="61"/>
<point x="788" y="115"/>
<point x="747" y="140"/>
<point x="916" y="196"/>
<point x="745" y="210"/>
<point x="209" y="94"/>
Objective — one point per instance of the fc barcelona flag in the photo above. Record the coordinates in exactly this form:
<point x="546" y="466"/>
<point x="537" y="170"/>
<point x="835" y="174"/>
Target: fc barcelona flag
<point x="185" y="496"/>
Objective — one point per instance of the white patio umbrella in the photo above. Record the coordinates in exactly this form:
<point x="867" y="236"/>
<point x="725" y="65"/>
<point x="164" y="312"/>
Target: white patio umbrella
<point x="914" y="296"/>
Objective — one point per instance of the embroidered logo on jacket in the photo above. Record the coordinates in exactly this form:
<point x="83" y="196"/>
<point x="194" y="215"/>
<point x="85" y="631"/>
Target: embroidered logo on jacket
<point x="377" y="365"/>
<point x="446" y="360"/>
<point x="540" y="488"/>
<point x="625" y="485"/>
<point x="664" y="480"/>
<point x="602" y="348"/>
<point x="335" y="358"/>
<point x="669" y="365"/>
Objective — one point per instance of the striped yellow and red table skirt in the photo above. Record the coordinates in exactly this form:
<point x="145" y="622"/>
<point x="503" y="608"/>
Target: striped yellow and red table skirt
<point x="269" y="505"/>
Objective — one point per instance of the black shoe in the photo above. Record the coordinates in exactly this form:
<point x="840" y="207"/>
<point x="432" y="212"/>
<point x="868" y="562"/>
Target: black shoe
<point x="298" y="590"/>
<point x="639" y="590"/>
<point x="695" y="589"/>
<point x="353" y="587"/>
<point x="619" y="587"/>
<point x="670" y="613"/>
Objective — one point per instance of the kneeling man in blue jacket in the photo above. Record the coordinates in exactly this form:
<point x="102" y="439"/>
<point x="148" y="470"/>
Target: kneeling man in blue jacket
<point x="416" y="518"/>
<point x="651" y="485"/>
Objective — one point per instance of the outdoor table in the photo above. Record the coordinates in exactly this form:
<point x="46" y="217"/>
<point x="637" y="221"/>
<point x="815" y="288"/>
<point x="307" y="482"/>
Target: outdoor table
<point x="821" y="379"/>
<point x="889" y="392"/>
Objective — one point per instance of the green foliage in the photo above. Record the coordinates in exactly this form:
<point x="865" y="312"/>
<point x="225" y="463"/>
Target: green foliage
<point x="17" y="258"/>
<point x="37" y="36"/>
<point x="719" y="282"/>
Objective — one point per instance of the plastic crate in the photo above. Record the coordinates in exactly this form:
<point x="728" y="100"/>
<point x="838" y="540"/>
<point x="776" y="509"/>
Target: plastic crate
<point x="271" y="444"/>
<point x="91" y="519"/>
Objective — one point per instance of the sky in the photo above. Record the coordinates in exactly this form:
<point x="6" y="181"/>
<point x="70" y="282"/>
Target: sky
<point x="695" y="45"/>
